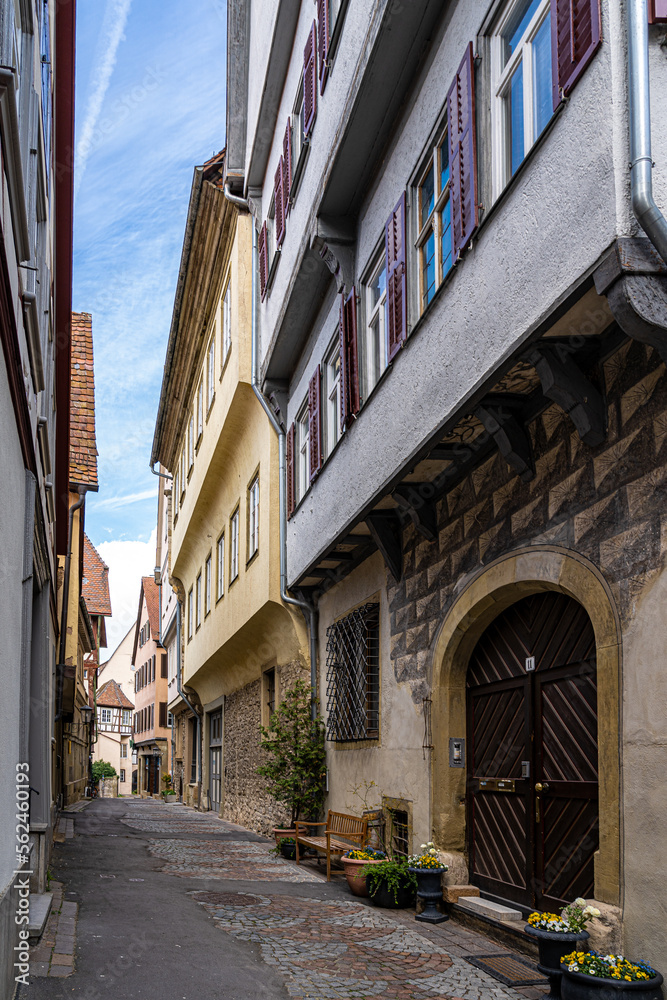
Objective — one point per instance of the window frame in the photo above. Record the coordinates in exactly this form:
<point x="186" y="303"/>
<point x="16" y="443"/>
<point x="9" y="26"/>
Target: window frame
<point x="253" y="498"/>
<point x="234" y="544"/>
<point x="198" y="601"/>
<point x="377" y="265"/>
<point x="210" y="374"/>
<point x="122" y="775"/>
<point x="301" y="149"/>
<point x="176" y="507"/>
<point x="220" y="567"/>
<point x="208" y="572"/>
<point x="191" y="444"/>
<point x="126" y="717"/>
<point x="226" y="333"/>
<point x="106" y="716"/>
<point x="123" y="746"/>
<point x="190" y="613"/>
<point x="501" y="77"/>
<point x="302" y="451"/>
<point x="354" y="686"/>
<point x="332" y="390"/>
<point x="433" y="224"/>
<point x="200" y="412"/>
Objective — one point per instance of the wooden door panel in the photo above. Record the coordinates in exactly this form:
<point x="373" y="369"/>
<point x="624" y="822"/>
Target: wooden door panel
<point x="499" y="838"/>
<point x="569" y="737"/>
<point x="499" y="734"/>
<point x="570" y="837"/>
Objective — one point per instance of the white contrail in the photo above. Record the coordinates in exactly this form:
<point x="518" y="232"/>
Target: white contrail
<point x="115" y="19"/>
<point x="113" y="503"/>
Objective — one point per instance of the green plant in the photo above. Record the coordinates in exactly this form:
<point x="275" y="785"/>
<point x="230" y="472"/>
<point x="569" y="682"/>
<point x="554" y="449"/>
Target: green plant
<point x="296" y="764"/>
<point x="608" y="966"/>
<point x="394" y="872"/>
<point x="365" y="854"/>
<point x="572" y="919"/>
<point x="283" y="840"/>
<point x="167" y="782"/>
<point x="103" y="769"/>
<point x="428" y="859"/>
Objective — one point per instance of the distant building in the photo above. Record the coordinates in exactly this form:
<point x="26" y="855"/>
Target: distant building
<point x="151" y="733"/>
<point x="119" y="669"/>
<point x="114" y="732"/>
<point x="95" y="591"/>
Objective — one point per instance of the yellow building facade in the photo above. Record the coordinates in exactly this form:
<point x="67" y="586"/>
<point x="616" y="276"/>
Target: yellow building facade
<point x="240" y="646"/>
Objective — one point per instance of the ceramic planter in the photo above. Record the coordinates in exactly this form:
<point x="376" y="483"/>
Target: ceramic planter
<point x="578" y="986"/>
<point x="169" y="798"/>
<point x="384" y="896"/>
<point x="429" y="890"/>
<point x="355" y="880"/>
<point x="279" y="833"/>
<point x="552" y="946"/>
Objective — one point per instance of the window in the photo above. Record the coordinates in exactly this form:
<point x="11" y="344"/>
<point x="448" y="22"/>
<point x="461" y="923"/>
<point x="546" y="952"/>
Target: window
<point x="302" y="451"/>
<point x="105" y="715"/>
<point x="170" y="720"/>
<point x="434" y="241"/>
<point x="85" y="675"/>
<point x="122" y="773"/>
<point x="200" y="410"/>
<point x="191" y="442"/>
<point x="190" y="613"/>
<point x="270" y="680"/>
<point x="210" y="374"/>
<point x="183" y="474"/>
<point x="234" y="548"/>
<point x="226" y="324"/>
<point x="147" y="630"/>
<point x="176" y="497"/>
<point x="353" y="675"/>
<point x="299" y="140"/>
<point x="198" y="600"/>
<point x="220" y="567"/>
<point x="253" y="517"/>
<point x="375" y="338"/>
<point x="522" y="84"/>
<point x="332" y="388"/>
<point x="123" y="750"/>
<point x="126" y="717"/>
<point x="399" y="832"/>
<point x="207" y="585"/>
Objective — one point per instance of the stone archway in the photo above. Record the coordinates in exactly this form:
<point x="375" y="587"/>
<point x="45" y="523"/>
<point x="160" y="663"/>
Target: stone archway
<point x="482" y="598"/>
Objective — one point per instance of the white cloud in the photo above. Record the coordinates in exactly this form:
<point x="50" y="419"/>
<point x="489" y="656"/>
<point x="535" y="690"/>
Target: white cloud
<point x="114" y="503"/>
<point x="127" y="561"/>
<point x="115" y="19"/>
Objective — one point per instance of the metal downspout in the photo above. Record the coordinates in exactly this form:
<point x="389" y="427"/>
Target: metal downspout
<point x="308" y="610"/>
<point x="65" y="608"/>
<point x="647" y="212"/>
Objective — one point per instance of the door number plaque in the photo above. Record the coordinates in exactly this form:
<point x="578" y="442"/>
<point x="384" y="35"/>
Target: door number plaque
<point x="530" y="664"/>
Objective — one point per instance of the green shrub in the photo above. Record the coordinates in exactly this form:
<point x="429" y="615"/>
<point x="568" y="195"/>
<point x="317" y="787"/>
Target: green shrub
<point x="103" y="769"/>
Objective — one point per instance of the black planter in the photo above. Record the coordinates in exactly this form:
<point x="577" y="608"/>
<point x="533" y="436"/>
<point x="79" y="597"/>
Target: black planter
<point x="429" y="889"/>
<point x="576" y="986"/>
<point x="401" y="900"/>
<point x="288" y="851"/>
<point x="552" y="946"/>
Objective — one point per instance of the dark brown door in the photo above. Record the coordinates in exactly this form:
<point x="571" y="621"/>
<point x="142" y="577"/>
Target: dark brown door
<point x="532" y="761"/>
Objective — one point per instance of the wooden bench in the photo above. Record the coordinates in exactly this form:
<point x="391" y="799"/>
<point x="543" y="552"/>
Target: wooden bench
<point x="342" y="833"/>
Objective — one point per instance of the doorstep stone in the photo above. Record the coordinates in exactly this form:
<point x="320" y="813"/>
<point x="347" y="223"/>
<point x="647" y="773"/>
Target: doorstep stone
<point x="40" y="907"/>
<point x="487" y="908"/>
<point x="452" y="893"/>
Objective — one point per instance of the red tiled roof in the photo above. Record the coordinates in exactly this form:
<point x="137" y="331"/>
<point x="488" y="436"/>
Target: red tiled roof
<point x="83" y="447"/>
<point x="152" y="595"/>
<point x="111" y="696"/>
<point x="95" y="587"/>
<point x="214" y="169"/>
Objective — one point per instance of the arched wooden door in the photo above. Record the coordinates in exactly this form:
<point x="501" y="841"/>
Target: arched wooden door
<point x="533" y="758"/>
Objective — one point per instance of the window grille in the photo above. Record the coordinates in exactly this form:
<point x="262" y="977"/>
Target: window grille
<point x="399" y="833"/>
<point x="353" y="676"/>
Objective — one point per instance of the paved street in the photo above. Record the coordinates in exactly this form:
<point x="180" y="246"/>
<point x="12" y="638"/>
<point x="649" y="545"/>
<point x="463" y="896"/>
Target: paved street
<point x="158" y="901"/>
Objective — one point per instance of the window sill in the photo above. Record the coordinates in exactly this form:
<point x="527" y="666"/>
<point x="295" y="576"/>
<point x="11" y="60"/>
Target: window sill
<point x="218" y="599"/>
<point x="210" y="407"/>
<point x="233" y="580"/>
<point x="225" y="363"/>
<point x="252" y="557"/>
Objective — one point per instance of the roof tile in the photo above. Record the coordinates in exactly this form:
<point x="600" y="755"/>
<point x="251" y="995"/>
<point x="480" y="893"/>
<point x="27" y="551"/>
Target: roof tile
<point x="111" y="696"/>
<point x="83" y="446"/>
<point x="95" y="588"/>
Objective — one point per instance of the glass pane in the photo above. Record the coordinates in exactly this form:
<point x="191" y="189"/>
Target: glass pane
<point x="428" y="270"/>
<point x="377" y="287"/>
<point x="444" y="163"/>
<point x="516" y="141"/>
<point x="374" y="353"/>
<point x="427" y="192"/>
<point x="516" y="26"/>
<point x="446" y="239"/>
<point x="542" y="75"/>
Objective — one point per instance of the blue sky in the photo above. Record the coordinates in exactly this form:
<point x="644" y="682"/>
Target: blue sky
<point x="150" y="105"/>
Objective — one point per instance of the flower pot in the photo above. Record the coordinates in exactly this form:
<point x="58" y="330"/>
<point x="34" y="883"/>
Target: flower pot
<point x="384" y="896"/>
<point x="288" y="851"/>
<point x="552" y="945"/>
<point x="168" y="798"/>
<point x="579" y="986"/>
<point x="429" y="890"/>
<point x="355" y="880"/>
<point x="279" y="833"/>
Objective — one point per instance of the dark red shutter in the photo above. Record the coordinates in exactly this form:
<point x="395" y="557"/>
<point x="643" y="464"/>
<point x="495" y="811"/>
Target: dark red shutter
<point x="287" y="168"/>
<point x="657" y="11"/>
<point x="279" y="202"/>
<point x="310" y="81"/>
<point x="263" y="254"/>
<point x="315" y="424"/>
<point x="576" y="33"/>
<point x="462" y="154"/>
<point x="163" y="672"/>
<point x="397" y="298"/>
<point x="323" y="41"/>
<point x="162" y="720"/>
<point x="291" y="471"/>
<point x="350" y="399"/>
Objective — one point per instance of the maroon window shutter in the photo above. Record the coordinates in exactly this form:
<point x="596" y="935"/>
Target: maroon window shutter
<point x="323" y="41"/>
<point x="576" y="33"/>
<point x="397" y="298"/>
<point x="349" y="359"/>
<point x="279" y="202"/>
<point x="153" y="678"/>
<point x="310" y="81"/>
<point x="262" y="255"/>
<point x="462" y="154"/>
<point x="287" y="168"/>
<point x="163" y="714"/>
<point x="315" y="424"/>
<point x="657" y="11"/>
<point x="291" y="471"/>
<point x="163" y="671"/>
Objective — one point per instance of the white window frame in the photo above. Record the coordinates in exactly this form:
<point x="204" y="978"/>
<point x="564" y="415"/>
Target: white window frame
<point x="200" y="410"/>
<point x="126" y="717"/>
<point x="190" y="612"/>
<point x="253" y="517"/>
<point x="332" y="395"/>
<point x="105" y="716"/>
<point x="123" y="751"/>
<point x="122" y="775"/>
<point x="373" y="368"/>
<point x="210" y="374"/>
<point x="500" y="83"/>
<point x="433" y="223"/>
<point x="176" y="492"/>
<point x="220" y="567"/>
<point x="234" y="545"/>
<point x="198" y="601"/>
<point x="207" y="584"/>
<point x="184" y="477"/>
<point x="300" y="142"/>
<point x="191" y="443"/>
<point x="302" y="451"/>
<point x="226" y="324"/>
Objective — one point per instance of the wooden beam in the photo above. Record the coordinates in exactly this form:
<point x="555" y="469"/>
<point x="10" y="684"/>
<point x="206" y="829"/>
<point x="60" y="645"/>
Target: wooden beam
<point x="385" y="528"/>
<point x="564" y="383"/>
<point x="511" y="438"/>
<point x="419" y="509"/>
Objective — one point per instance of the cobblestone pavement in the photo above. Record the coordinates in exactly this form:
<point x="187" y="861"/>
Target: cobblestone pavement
<point x="228" y="860"/>
<point x="54" y="954"/>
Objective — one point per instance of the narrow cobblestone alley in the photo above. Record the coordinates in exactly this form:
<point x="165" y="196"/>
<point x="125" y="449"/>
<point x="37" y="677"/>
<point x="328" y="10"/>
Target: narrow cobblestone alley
<point x="158" y="901"/>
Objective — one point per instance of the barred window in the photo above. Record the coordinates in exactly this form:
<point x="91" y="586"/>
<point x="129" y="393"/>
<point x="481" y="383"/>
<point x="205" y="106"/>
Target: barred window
<point x="353" y="676"/>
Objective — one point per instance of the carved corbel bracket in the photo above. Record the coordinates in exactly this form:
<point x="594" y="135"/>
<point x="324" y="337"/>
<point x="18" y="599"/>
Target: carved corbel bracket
<point x="564" y="383"/>
<point x="385" y="529"/>
<point x="633" y="276"/>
